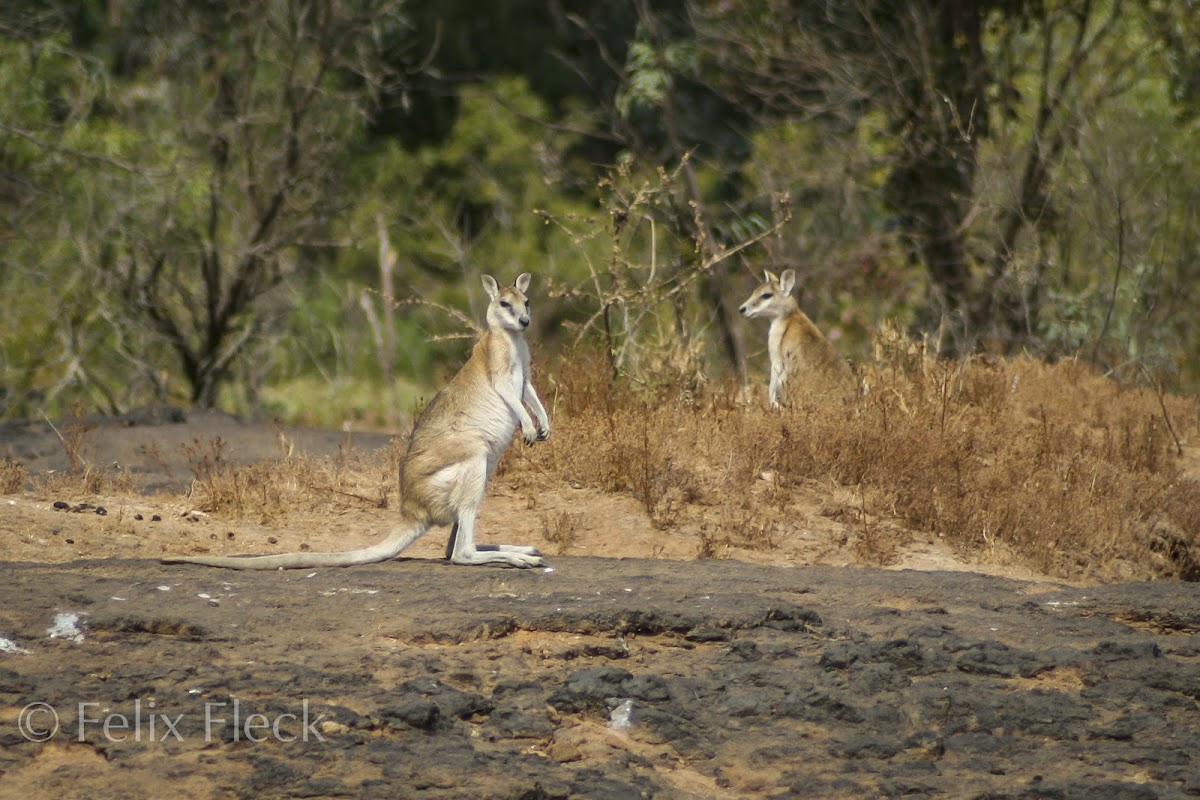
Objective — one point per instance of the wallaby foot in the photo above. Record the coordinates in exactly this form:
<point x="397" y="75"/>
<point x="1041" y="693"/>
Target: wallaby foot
<point x="461" y="548"/>
<point x="510" y="548"/>
<point x="498" y="557"/>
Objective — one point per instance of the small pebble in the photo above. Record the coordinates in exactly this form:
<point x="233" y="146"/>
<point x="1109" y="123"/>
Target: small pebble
<point x="156" y="518"/>
<point x="138" y="517"/>
<point x="272" y="540"/>
<point x="60" y="505"/>
<point x="70" y="541"/>
<point x="102" y="511"/>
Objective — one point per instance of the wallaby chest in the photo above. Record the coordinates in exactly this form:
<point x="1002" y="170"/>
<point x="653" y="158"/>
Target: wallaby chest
<point x="776" y="341"/>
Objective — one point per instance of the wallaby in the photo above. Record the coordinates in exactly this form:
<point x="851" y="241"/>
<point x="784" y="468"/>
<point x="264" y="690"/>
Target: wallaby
<point x="798" y="350"/>
<point x="453" y="451"/>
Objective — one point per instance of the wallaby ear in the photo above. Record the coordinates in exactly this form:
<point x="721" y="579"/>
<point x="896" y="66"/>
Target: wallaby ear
<point x="490" y="286"/>
<point x="769" y="277"/>
<point x="522" y="282"/>
<point x="787" y="281"/>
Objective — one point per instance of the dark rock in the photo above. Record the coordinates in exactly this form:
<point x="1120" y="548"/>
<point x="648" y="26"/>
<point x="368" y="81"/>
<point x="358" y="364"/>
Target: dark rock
<point x="869" y="746"/>
<point x="416" y="713"/>
<point x="588" y="689"/>
<point x="426" y="686"/>
<point x="154" y="415"/>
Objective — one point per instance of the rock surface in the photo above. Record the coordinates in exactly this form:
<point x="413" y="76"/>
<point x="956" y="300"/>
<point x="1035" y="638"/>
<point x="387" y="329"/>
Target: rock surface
<point x="599" y="678"/>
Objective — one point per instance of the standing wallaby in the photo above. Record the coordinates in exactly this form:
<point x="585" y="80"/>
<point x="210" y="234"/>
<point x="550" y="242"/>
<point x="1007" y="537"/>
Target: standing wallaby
<point x="453" y="450"/>
<point x="798" y="350"/>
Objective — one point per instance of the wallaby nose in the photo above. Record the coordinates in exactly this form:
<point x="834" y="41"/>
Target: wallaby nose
<point x="743" y="310"/>
<point x="524" y="320"/>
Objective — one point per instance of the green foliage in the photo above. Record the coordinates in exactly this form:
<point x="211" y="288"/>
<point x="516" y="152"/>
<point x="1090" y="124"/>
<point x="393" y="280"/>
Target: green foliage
<point x="619" y="153"/>
<point x="652" y="73"/>
<point x="473" y="204"/>
<point x="852" y="268"/>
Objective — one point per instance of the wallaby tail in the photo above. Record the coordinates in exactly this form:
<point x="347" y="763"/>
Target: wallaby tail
<point x="401" y="537"/>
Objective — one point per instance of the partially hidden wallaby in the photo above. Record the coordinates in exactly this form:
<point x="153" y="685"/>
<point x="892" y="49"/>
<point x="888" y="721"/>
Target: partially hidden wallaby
<point x="799" y="352"/>
<point x="453" y="451"/>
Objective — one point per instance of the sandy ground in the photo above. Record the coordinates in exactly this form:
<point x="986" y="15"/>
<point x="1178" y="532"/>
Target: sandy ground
<point x="159" y="515"/>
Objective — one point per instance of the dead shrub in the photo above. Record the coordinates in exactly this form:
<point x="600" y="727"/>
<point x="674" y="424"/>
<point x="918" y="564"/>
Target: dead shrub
<point x="13" y="476"/>
<point x="561" y="529"/>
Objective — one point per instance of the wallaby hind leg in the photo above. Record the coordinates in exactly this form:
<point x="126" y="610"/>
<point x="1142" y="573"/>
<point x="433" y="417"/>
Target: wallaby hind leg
<point x="461" y="549"/>
<point x="503" y="548"/>
<point x="466" y="552"/>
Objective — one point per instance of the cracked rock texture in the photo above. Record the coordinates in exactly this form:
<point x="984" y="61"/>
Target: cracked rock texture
<point x="601" y="678"/>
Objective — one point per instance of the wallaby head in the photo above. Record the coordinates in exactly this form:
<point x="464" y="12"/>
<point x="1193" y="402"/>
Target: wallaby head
<point x="772" y="298"/>
<point x="509" y="307"/>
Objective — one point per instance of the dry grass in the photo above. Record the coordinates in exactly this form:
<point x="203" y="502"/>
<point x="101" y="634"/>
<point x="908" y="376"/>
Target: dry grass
<point x="561" y="529"/>
<point x="87" y="481"/>
<point x="267" y="491"/>
<point x="1051" y="467"/>
<point x="12" y="476"/>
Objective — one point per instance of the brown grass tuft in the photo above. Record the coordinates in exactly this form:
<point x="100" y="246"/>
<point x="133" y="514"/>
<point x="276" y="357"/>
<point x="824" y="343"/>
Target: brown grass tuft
<point x="13" y="476"/>
<point x="561" y="529"/>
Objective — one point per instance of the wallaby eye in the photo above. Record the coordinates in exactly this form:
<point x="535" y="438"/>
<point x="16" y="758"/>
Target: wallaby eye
<point x="505" y="304"/>
<point x="765" y="296"/>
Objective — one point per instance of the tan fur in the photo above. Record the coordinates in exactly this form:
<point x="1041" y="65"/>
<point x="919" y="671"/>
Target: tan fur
<point x="800" y="355"/>
<point x="453" y="450"/>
